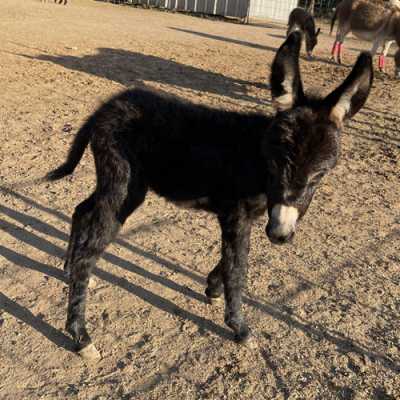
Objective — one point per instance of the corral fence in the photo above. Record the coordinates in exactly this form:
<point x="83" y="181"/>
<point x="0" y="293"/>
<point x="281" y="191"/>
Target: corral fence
<point x="232" y="8"/>
<point x="243" y="9"/>
<point x="322" y="8"/>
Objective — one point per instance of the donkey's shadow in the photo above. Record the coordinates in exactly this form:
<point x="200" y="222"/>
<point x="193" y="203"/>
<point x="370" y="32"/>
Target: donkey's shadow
<point x="136" y="69"/>
<point x="342" y="342"/>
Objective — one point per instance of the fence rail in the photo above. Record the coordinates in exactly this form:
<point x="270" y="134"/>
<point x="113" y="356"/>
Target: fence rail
<point x="228" y="8"/>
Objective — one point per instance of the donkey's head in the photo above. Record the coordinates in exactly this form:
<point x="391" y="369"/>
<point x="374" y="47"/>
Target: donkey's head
<point x="311" y="40"/>
<point x="303" y="142"/>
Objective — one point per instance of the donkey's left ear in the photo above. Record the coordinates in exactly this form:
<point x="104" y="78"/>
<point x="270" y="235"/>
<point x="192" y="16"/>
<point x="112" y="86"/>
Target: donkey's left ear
<point x="318" y="32"/>
<point x="285" y="81"/>
<point x="350" y="96"/>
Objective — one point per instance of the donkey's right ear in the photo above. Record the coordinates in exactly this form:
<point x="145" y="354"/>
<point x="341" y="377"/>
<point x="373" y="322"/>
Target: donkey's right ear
<point x="351" y="95"/>
<point x="285" y="80"/>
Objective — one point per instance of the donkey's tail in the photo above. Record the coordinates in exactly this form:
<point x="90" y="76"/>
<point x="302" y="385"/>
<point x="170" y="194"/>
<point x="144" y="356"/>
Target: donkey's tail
<point x="75" y="154"/>
<point x="333" y="21"/>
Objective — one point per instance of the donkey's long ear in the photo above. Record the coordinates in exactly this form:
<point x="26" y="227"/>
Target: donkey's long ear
<point x="351" y="95"/>
<point x="285" y="80"/>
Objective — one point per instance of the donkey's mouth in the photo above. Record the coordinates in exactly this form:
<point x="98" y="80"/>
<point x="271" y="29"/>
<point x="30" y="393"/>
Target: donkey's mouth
<point x="280" y="239"/>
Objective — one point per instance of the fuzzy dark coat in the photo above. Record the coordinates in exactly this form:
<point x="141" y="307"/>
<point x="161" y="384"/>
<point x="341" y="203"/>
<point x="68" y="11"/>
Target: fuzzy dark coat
<point x="237" y="165"/>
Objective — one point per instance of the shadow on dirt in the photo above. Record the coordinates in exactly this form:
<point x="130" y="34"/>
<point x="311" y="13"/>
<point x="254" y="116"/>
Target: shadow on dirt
<point x="343" y="343"/>
<point x="250" y="44"/>
<point x="135" y="69"/>
<point x="22" y="314"/>
<point x="226" y="39"/>
<point x="283" y="37"/>
<point x="382" y="126"/>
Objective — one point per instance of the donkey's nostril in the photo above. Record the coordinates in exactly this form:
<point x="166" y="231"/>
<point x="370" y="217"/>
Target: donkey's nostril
<point x="285" y="239"/>
<point x="281" y="239"/>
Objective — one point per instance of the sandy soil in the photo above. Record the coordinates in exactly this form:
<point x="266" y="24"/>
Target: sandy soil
<point x="325" y="309"/>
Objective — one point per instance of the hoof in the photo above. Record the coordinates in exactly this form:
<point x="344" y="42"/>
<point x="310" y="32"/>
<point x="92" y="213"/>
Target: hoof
<point x="246" y="339"/>
<point x="214" y="300"/>
<point x="250" y="342"/>
<point x="92" y="283"/>
<point x="90" y="353"/>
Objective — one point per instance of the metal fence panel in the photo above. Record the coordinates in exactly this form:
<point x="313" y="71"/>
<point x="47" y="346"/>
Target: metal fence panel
<point x="238" y="8"/>
<point x="227" y="8"/>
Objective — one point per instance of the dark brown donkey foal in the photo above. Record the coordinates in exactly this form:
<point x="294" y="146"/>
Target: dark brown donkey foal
<point x="236" y="165"/>
<point x="301" y="20"/>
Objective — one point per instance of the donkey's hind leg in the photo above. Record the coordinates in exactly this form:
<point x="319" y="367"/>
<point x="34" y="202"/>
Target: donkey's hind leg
<point x="385" y="49"/>
<point x="338" y="45"/>
<point x="397" y="64"/>
<point x="96" y="223"/>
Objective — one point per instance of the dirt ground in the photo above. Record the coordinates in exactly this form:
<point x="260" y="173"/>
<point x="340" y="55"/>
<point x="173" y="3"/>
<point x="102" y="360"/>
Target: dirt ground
<point x="325" y="310"/>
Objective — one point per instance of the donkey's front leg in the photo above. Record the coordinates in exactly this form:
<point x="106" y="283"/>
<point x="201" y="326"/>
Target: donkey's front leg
<point x="235" y="227"/>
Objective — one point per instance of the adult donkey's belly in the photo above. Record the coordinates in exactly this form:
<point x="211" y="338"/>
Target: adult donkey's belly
<point x="366" y="35"/>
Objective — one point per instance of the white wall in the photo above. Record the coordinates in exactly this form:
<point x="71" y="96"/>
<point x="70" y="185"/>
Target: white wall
<point x="272" y="9"/>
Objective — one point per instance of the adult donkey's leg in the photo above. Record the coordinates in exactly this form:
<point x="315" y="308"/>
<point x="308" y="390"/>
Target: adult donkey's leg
<point x="385" y="49"/>
<point x="397" y="64"/>
<point x="235" y="228"/>
<point x="337" y="48"/>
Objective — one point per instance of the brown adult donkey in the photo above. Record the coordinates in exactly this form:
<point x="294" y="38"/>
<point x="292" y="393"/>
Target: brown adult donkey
<point x="375" y="21"/>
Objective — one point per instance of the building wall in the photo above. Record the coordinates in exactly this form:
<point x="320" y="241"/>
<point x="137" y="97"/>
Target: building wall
<point x="228" y="8"/>
<point x="272" y="9"/>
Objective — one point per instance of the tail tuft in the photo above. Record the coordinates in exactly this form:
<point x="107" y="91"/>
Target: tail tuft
<point x="75" y="154"/>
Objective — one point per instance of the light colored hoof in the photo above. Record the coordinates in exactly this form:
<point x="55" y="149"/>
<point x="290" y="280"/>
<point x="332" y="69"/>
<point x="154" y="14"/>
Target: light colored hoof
<point x="251" y="343"/>
<point x="90" y="353"/>
<point x="92" y="283"/>
<point x="213" y="301"/>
